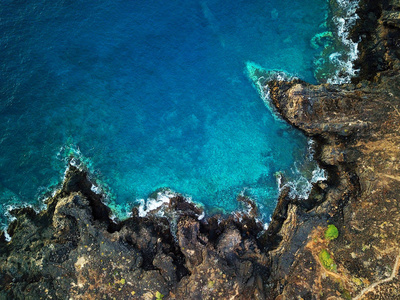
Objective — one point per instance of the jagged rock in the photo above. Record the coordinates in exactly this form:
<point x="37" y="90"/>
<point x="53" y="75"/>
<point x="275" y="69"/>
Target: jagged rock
<point x="74" y="250"/>
<point x="356" y="130"/>
<point x="188" y="232"/>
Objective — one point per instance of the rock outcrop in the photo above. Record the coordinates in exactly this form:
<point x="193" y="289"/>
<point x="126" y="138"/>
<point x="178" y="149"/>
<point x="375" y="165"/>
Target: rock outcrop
<point x="356" y="127"/>
<point x="74" y="250"/>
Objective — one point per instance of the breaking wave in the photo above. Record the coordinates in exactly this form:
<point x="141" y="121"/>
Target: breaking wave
<point x="152" y="204"/>
<point x="309" y="173"/>
<point x="345" y="21"/>
<point x="335" y="63"/>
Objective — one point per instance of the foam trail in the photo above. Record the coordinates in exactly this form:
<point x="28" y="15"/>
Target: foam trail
<point x="6" y="235"/>
<point x="344" y="21"/>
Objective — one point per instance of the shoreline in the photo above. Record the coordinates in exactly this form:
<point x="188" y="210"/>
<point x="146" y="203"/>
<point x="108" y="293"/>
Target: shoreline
<point x="44" y="191"/>
<point x="73" y="249"/>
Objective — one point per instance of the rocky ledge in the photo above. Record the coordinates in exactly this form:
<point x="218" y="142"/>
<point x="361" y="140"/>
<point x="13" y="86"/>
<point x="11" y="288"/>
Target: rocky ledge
<point x="341" y="243"/>
<point x="74" y="250"/>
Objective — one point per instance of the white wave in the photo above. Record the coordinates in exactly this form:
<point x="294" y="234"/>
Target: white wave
<point x="114" y="218"/>
<point x="53" y="193"/>
<point x="201" y="217"/>
<point x="318" y="174"/>
<point x="6" y="235"/>
<point x="310" y="149"/>
<point x="152" y="204"/>
<point x="266" y="225"/>
<point x="279" y="181"/>
<point x="301" y="187"/>
<point x="11" y="207"/>
<point x="96" y="189"/>
<point x="73" y="162"/>
<point x="10" y="218"/>
<point x="344" y="22"/>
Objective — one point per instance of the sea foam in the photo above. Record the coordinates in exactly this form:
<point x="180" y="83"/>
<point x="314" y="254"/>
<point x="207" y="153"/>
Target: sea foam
<point x="152" y="204"/>
<point x="301" y="186"/>
<point x="345" y="18"/>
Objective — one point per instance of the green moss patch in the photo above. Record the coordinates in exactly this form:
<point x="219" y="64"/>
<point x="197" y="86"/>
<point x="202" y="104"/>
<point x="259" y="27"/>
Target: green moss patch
<point x="332" y="232"/>
<point x="327" y="261"/>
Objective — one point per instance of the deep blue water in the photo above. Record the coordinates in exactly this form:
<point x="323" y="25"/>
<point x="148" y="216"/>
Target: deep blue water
<point x="150" y="94"/>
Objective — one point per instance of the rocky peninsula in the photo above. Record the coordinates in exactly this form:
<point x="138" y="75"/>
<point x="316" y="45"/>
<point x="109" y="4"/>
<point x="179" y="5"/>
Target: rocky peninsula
<point x="341" y="243"/>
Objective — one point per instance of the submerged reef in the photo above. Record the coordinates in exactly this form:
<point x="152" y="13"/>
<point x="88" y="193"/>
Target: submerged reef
<point x="340" y="243"/>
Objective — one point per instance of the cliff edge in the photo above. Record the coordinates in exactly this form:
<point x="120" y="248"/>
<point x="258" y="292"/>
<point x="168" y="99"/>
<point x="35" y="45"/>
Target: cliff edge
<point x="349" y="248"/>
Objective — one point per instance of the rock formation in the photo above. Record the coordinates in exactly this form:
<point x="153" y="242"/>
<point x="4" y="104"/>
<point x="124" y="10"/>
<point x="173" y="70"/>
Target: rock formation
<point x="356" y="127"/>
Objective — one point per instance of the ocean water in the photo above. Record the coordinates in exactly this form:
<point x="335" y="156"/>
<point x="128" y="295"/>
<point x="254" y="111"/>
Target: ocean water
<point x="151" y="94"/>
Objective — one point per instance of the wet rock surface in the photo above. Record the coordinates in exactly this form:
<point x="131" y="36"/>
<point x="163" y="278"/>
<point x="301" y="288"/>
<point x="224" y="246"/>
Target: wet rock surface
<point x="74" y="250"/>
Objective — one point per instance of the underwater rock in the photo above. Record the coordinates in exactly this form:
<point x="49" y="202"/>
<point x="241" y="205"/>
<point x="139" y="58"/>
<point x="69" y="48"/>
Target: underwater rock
<point x="322" y="39"/>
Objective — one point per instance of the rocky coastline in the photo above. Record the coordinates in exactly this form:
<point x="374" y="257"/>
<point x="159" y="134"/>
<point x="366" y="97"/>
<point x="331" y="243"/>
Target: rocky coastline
<point x="341" y="243"/>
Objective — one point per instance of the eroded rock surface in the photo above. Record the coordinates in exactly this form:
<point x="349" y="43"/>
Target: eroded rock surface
<point x="73" y="250"/>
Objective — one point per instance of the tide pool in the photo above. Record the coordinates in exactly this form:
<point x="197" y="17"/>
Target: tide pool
<point x="151" y="94"/>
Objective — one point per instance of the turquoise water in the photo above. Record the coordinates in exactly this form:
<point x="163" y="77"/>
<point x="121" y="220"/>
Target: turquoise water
<point x="150" y="94"/>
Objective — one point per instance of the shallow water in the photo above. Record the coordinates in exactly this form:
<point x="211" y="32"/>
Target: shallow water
<point x="150" y="95"/>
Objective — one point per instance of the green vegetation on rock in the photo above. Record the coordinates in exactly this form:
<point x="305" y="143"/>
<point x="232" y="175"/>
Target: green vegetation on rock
<point x="159" y="296"/>
<point x="346" y="295"/>
<point x="327" y="260"/>
<point x="332" y="232"/>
